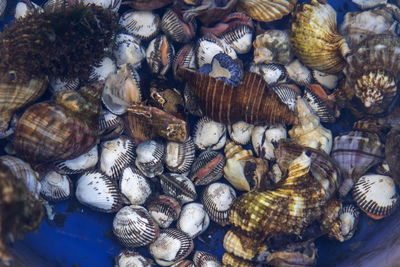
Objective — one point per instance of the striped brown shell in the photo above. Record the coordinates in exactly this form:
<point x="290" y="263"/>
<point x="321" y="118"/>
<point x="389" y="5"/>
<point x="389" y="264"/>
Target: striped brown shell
<point x="266" y="11"/>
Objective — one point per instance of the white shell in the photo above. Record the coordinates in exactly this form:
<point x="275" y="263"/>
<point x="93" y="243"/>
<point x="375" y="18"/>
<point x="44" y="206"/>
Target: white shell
<point x="111" y="126"/>
<point x="208" y="47"/>
<point x="128" y="50"/>
<point x="143" y="24"/>
<point x="22" y="9"/>
<point x="112" y="5"/>
<point x="55" y="187"/>
<point x="179" y="187"/>
<point x="209" y="134"/>
<point x="272" y="73"/>
<point x="263" y="138"/>
<point x="134" y="186"/>
<point x="164" y="209"/>
<point x="349" y="218"/>
<point x="299" y="73"/>
<point x="80" y="164"/>
<point x="240" y="38"/>
<point x="179" y="156"/>
<point x="205" y="259"/>
<point x="97" y="191"/>
<point x="273" y="46"/>
<point x="105" y="68"/>
<point x="150" y="158"/>
<point x="326" y="80"/>
<point x="193" y="220"/>
<point x="116" y="154"/>
<point x="240" y="132"/>
<point x="365" y="4"/>
<point x="130" y="258"/>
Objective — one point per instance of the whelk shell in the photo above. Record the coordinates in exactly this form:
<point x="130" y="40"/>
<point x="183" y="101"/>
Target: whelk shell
<point x="240" y="245"/>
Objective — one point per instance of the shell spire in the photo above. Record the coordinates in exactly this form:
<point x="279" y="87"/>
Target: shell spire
<point x="251" y="101"/>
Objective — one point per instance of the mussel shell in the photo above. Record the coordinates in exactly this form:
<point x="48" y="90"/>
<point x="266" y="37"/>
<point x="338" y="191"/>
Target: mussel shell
<point x="207" y="168"/>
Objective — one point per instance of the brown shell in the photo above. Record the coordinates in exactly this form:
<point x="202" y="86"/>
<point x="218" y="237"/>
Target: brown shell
<point x="251" y="101"/>
<point x="266" y="11"/>
<point x="231" y="260"/>
<point x="237" y="243"/>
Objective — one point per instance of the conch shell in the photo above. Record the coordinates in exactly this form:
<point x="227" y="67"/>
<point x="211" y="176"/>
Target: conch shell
<point x="315" y="39"/>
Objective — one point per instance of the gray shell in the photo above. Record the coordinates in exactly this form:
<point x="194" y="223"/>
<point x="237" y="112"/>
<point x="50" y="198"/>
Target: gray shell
<point x="150" y="158"/>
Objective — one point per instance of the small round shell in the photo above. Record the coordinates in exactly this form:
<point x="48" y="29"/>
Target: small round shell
<point x="299" y="73"/>
<point x="239" y="38"/>
<point x="173" y="25"/>
<point x="207" y="168"/>
<point x="272" y="73"/>
<point x="217" y="199"/>
<point x="116" y="154"/>
<point x="134" y="227"/>
<point x="240" y="132"/>
<point x="143" y="24"/>
<point x="171" y="246"/>
<point x="349" y="218"/>
<point x="95" y="190"/>
<point x="179" y="156"/>
<point x="209" y="134"/>
<point x="164" y="210"/>
<point x="178" y="186"/>
<point x="193" y="219"/>
<point x="263" y="139"/>
<point x="149" y="158"/>
<point x="111" y="126"/>
<point x="80" y="164"/>
<point x="134" y="186"/>
<point x="128" y="50"/>
<point x="131" y="258"/>
<point x="376" y="195"/>
<point x="55" y="187"/>
<point x="105" y="67"/>
<point x="160" y="54"/>
<point x="205" y="259"/>
<point x="288" y="94"/>
<point x="209" y="46"/>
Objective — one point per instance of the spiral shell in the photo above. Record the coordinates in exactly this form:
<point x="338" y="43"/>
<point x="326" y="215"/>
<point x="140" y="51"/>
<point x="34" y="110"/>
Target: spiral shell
<point x="238" y="244"/>
<point x="266" y="11"/>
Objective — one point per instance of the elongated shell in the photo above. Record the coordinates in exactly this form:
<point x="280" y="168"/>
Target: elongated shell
<point x="266" y="11"/>
<point x="315" y="39"/>
<point x="251" y="101"/>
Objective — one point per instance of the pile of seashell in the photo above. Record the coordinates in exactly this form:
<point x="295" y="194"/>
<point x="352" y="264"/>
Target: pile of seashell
<point x="199" y="116"/>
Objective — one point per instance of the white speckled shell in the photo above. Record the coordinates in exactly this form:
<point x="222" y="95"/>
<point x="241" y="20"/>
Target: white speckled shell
<point x="131" y="258"/>
<point x="134" y="186"/>
<point x="240" y="132"/>
<point x="209" y="134"/>
<point x="299" y="73"/>
<point x="179" y="156"/>
<point x="193" y="219"/>
<point x="208" y="46"/>
<point x="264" y="137"/>
<point x="143" y="24"/>
<point x="55" y="187"/>
<point x="150" y="158"/>
<point x="128" y="50"/>
<point x="79" y="164"/>
<point x="205" y="259"/>
<point x="179" y="187"/>
<point x="164" y="210"/>
<point x="349" y="218"/>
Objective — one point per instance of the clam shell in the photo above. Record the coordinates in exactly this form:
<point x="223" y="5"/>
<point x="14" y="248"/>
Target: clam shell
<point x="111" y="126"/>
<point x="272" y="73"/>
<point x="185" y="57"/>
<point x="273" y="46"/>
<point x="349" y="218"/>
<point x="237" y="243"/>
<point x="209" y="134"/>
<point x="207" y="168"/>
<point x="217" y="199"/>
<point x="240" y="132"/>
<point x="128" y="258"/>
<point x="160" y="54"/>
<point x="116" y="154"/>
<point x="134" y="227"/>
<point x="128" y="50"/>
<point x="79" y="164"/>
<point x="299" y="73"/>
<point x="209" y="46"/>
<point x="149" y="158"/>
<point x="376" y="195"/>
<point x="171" y="246"/>
<point x="178" y="186"/>
<point x="326" y="80"/>
<point x="143" y="24"/>
<point x="263" y="139"/>
<point x="318" y="104"/>
<point x="239" y="38"/>
<point x="173" y="25"/>
<point x="205" y="259"/>
<point x="288" y="94"/>
<point x="366" y="4"/>
<point x="179" y="156"/>
<point x="57" y="84"/>
<point x="164" y="210"/>
<point x="95" y="190"/>
<point x="266" y="11"/>
<point x="55" y="187"/>
<point x="112" y="5"/>
<point x="134" y="186"/>
<point x="193" y="219"/>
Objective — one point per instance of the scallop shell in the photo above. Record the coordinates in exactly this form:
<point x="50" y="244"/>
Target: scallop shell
<point x="237" y="243"/>
<point x="315" y="39"/>
<point x="149" y="158"/>
<point x="171" y="246"/>
<point x="55" y="187"/>
<point x="204" y="259"/>
<point x="179" y="156"/>
<point x="272" y="73"/>
<point x="111" y="126"/>
<point x="143" y="24"/>
<point x="178" y="186"/>
<point x="116" y="154"/>
<point x="349" y="218"/>
<point x="164" y="210"/>
<point x="129" y="257"/>
<point x="160" y="54"/>
<point x="173" y="25"/>
<point x="266" y="11"/>
<point x="95" y="190"/>
<point x="273" y="46"/>
<point x="240" y="132"/>
<point x="79" y="164"/>
<point x="209" y="134"/>
<point x="134" y="186"/>
<point x="193" y="219"/>
<point x="217" y="199"/>
<point x="134" y="227"/>
<point x="208" y="46"/>
<point x="128" y="50"/>
<point x="263" y="139"/>
<point x="376" y="195"/>
<point x="207" y="168"/>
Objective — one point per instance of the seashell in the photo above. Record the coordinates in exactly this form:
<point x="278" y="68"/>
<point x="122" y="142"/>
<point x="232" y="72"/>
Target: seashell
<point x="349" y="218"/>
<point x="174" y="26"/>
<point x="237" y="243"/>
<point x="112" y="5"/>
<point x="111" y="126"/>
<point x="266" y="11"/>
<point x="95" y="190"/>
<point x="155" y="122"/>
<point x="230" y="260"/>
<point x="252" y="91"/>
<point x="193" y="219"/>
<point x="207" y="168"/>
<point x="315" y="39"/>
<point x="146" y="5"/>
<point x="23" y="171"/>
<point x="164" y="210"/>
<point x="242" y="170"/>
<point x="392" y="152"/>
<point x="143" y="24"/>
<point x="134" y="227"/>
<point x="326" y="80"/>
<point x="134" y="186"/>
<point x="179" y="156"/>
<point x="305" y="255"/>
<point x="299" y="73"/>
<point x="272" y="73"/>
<point x="116" y="155"/>
<point x="121" y="90"/>
<point x="309" y="132"/>
<point x="204" y="259"/>
<point x="149" y="158"/>
<point x="129" y="257"/>
<point x="240" y="132"/>
<point x="55" y="187"/>
<point x="53" y="5"/>
<point x="58" y="85"/>
<point x="159" y="55"/>
<point x="330" y="222"/>
<point x="185" y="58"/>
<point x="209" y="134"/>
<point x="263" y="139"/>
<point x="171" y="246"/>
<point x="128" y="50"/>
<point x="59" y="130"/>
<point x="376" y="195"/>
<point x="79" y="164"/>
<point x="288" y="94"/>
<point x="15" y="94"/>
<point x="372" y="70"/>
<point x="183" y="263"/>
<point x="366" y="4"/>
<point x="208" y="46"/>
<point x="224" y="68"/>
<point x="217" y="199"/>
<point x="355" y="152"/>
<point x="275" y="173"/>
<point x="178" y="186"/>
<point x="273" y="46"/>
<point x="320" y="103"/>
<point x="105" y="67"/>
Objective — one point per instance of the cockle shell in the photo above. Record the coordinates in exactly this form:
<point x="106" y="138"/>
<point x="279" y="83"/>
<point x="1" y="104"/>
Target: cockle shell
<point x="164" y="210"/>
<point x="149" y="158"/>
<point x="319" y="102"/>
<point x="134" y="227"/>
<point x="128" y="257"/>
<point x="15" y="94"/>
<point x="110" y="125"/>
<point x="185" y="58"/>
<point x="273" y="46"/>
<point x="309" y="132"/>
<point x="205" y="259"/>
<point x="128" y="50"/>
<point x="315" y="39"/>
<point x="209" y="134"/>
<point x="266" y="11"/>
<point x="193" y="219"/>
<point x="100" y="72"/>
<point x="251" y="101"/>
<point x="272" y="73"/>
<point x="79" y="164"/>
<point x="349" y="218"/>
<point x="263" y="139"/>
<point x="179" y="156"/>
<point x="112" y="5"/>
<point x="58" y="84"/>
<point x="160" y="54"/>
<point x="55" y="187"/>
<point x="392" y="153"/>
<point x="208" y="46"/>
<point x="184" y="263"/>
<point x="173" y="25"/>
<point x="207" y="168"/>
<point x="134" y="186"/>
<point x="299" y="73"/>
<point x="143" y="24"/>
<point x="178" y="186"/>
<point x="240" y="132"/>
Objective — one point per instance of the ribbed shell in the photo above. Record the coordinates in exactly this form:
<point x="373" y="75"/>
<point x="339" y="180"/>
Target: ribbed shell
<point x="160" y="54"/>
<point x="131" y="258"/>
<point x="110" y="125"/>
<point x="238" y="244"/>
<point x="143" y="24"/>
<point x="193" y="219"/>
<point x="315" y="39"/>
<point x="319" y="106"/>
<point x="208" y="46"/>
<point x="231" y="260"/>
<point x="116" y="154"/>
<point x="349" y="219"/>
<point x="266" y="11"/>
<point x="134" y="227"/>
<point x="79" y="164"/>
<point x="95" y="190"/>
<point x="240" y="132"/>
<point x="217" y="199"/>
<point x="149" y="158"/>
<point x="128" y="50"/>
<point x="185" y="57"/>
<point x="173" y="25"/>
<point x="207" y="168"/>
<point x="179" y="156"/>
<point x="272" y="73"/>
<point x="164" y="210"/>
<point x="134" y="186"/>
<point x="55" y="187"/>
<point x="204" y="259"/>
<point x="251" y="101"/>
<point x="179" y="187"/>
<point x="239" y="38"/>
<point x="171" y="246"/>
<point x="209" y="134"/>
<point x="287" y="95"/>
